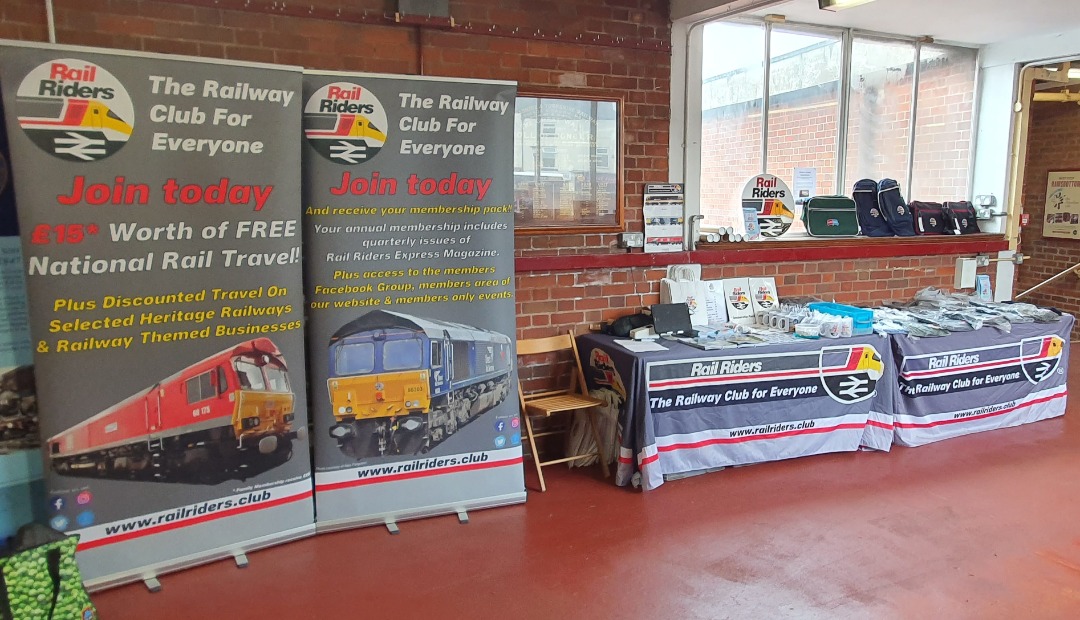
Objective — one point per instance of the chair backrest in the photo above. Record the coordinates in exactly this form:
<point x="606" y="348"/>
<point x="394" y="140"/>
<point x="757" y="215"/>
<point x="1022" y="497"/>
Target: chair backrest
<point x="553" y="344"/>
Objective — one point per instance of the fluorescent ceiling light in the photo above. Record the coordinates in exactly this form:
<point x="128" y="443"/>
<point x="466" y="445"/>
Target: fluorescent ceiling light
<point x="1074" y="74"/>
<point x="837" y="5"/>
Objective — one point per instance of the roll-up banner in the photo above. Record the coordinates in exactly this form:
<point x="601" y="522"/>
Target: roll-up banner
<point x="159" y="208"/>
<point x="408" y="237"/>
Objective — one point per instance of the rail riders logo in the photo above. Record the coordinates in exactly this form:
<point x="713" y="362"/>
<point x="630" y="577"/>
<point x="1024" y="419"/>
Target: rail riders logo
<point x="739" y="298"/>
<point x="1031" y="360"/>
<point x="847" y="374"/>
<point x="75" y="110"/>
<point x="345" y="123"/>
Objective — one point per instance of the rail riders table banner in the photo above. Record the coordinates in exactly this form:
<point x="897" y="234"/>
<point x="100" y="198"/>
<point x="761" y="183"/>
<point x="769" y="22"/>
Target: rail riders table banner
<point x="409" y="263"/>
<point x="159" y="206"/>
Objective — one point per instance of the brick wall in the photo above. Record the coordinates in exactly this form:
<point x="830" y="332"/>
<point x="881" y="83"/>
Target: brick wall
<point x="548" y="302"/>
<point x="1053" y="144"/>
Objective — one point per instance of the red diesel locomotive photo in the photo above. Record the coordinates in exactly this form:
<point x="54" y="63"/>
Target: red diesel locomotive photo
<point x="228" y="416"/>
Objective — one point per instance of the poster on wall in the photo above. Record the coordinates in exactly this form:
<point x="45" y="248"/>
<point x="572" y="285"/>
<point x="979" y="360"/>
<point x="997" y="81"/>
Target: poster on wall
<point x="409" y="263"/>
<point x="1062" y="213"/>
<point x="159" y="211"/>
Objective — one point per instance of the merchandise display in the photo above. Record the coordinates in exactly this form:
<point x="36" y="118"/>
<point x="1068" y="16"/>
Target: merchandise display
<point x="936" y="313"/>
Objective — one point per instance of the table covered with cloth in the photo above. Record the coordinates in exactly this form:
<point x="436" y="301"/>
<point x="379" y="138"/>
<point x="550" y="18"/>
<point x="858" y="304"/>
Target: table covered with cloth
<point x="686" y="409"/>
<point x="975" y="381"/>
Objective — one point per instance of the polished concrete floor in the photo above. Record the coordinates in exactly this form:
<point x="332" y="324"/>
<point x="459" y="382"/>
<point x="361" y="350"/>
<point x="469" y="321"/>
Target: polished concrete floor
<point x="985" y="526"/>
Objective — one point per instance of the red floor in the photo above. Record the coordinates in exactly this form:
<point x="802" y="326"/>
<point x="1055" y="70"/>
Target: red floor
<point x="984" y="526"/>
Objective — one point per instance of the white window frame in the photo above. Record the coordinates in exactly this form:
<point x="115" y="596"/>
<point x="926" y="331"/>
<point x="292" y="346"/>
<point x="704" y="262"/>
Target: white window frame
<point x="686" y="86"/>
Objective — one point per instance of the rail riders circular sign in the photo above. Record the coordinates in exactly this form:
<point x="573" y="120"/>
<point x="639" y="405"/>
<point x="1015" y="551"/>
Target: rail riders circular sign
<point x="75" y="110"/>
<point x="345" y="123"/>
<point x="771" y="198"/>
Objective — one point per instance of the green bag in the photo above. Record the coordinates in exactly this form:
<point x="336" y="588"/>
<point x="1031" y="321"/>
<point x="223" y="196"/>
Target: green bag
<point x="40" y="579"/>
<point x="831" y="216"/>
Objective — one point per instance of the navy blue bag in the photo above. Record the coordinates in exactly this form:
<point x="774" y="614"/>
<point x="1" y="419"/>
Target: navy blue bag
<point x="871" y="220"/>
<point x="896" y="211"/>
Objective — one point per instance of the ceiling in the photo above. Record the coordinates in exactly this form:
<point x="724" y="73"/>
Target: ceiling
<point x="961" y="21"/>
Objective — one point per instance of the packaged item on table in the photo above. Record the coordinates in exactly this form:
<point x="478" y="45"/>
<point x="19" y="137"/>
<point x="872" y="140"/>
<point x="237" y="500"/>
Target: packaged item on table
<point x="810" y="331"/>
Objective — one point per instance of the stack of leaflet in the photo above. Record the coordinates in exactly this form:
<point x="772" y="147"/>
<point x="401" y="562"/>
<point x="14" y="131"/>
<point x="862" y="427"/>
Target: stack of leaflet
<point x="937" y="313"/>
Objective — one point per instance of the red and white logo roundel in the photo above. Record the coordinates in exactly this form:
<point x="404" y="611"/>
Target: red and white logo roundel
<point x="75" y="110"/>
<point x="345" y="123"/>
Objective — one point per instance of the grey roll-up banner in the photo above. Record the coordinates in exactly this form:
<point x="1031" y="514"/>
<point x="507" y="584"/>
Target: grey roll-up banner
<point x="159" y="202"/>
<point x="409" y="265"/>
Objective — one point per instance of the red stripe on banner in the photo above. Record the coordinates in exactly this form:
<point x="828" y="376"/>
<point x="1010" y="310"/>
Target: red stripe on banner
<point x="232" y="512"/>
<point x="650" y="459"/>
<point x="1037" y="401"/>
<point x="336" y="486"/>
<point x="762" y="375"/>
<point x="719" y="440"/>
<point x="879" y="424"/>
<point x="957" y="369"/>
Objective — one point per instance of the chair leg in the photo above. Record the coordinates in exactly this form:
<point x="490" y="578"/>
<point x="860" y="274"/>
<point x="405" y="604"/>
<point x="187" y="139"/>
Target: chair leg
<point x="591" y="416"/>
<point x="535" y="454"/>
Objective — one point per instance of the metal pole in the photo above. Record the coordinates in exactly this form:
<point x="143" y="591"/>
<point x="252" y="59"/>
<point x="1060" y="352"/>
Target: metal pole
<point x="51" y="19"/>
<point x="1074" y="269"/>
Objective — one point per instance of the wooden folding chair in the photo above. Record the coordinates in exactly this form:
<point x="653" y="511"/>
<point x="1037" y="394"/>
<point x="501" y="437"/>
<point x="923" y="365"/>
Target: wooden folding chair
<point x="556" y="401"/>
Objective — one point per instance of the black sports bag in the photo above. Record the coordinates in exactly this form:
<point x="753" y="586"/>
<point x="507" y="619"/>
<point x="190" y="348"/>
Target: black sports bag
<point x="929" y="218"/>
<point x="961" y="216"/>
<point x="896" y="211"/>
<point x="871" y="220"/>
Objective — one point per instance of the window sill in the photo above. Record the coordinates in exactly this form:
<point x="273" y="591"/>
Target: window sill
<point x="774" y="251"/>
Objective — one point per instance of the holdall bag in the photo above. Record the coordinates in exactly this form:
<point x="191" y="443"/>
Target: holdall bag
<point x="40" y="579"/>
<point x="929" y="218"/>
<point x="871" y="220"/>
<point x="896" y="211"/>
<point x="961" y="218"/>
<point x="831" y="216"/>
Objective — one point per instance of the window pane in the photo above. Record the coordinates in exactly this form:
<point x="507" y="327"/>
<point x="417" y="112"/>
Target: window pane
<point x="249" y="375"/>
<point x="804" y="105"/>
<point x="732" y="92"/>
<point x="880" y="111"/>
<point x="943" y="123"/>
<point x="354" y="359"/>
<point x="560" y="179"/>
<point x="402" y="354"/>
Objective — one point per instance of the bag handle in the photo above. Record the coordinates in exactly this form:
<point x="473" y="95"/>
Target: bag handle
<point x="52" y="559"/>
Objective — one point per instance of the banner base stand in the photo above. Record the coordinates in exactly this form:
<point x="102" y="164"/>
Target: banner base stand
<point x="463" y="516"/>
<point x="149" y="574"/>
<point x="152" y="584"/>
<point x="241" y="559"/>
<point x="392" y="527"/>
<point x="420" y="513"/>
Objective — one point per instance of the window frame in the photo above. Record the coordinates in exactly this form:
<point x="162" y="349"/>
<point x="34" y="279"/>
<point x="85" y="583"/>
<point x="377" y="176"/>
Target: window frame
<point x="616" y="158"/>
<point x="688" y="159"/>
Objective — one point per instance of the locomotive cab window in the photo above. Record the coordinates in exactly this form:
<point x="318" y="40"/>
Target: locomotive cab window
<point x="249" y="374"/>
<point x="276" y="378"/>
<point x="402" y="354"/>
<point x="222" y="381"/>
<point x="356" y="358"/>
